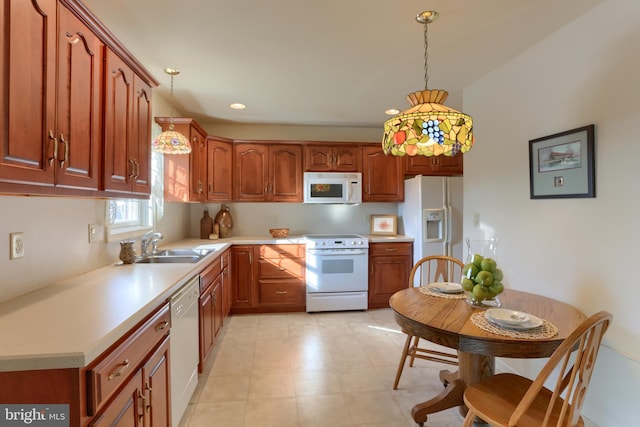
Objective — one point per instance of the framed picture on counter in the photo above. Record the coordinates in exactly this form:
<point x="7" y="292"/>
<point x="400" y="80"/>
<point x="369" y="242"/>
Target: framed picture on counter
<point x="563" y="165"/>
<point x="384" y="225"/>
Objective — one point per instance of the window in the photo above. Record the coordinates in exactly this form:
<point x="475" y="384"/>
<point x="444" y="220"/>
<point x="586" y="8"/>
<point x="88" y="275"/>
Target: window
<point x="127" y="218"/>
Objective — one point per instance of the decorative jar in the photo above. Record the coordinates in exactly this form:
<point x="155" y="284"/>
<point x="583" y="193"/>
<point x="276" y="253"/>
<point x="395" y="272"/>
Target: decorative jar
<point x="481" y="277"/>
<point x="224" y="221"/>
<point x="127" y="252"/>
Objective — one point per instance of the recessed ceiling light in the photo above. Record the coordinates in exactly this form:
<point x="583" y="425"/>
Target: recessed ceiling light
<point x="238" y="106"/>
<point x="392" y="111"/>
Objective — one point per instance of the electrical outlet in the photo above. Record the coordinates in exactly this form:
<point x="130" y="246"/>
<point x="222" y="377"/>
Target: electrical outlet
<point x="16" y="245"/>
<point x="93" y="233"/>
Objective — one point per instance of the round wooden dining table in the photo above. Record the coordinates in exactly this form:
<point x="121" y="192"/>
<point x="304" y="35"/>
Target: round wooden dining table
<point x="447" y="322"/>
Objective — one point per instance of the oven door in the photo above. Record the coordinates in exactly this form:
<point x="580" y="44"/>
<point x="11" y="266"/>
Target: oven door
<point x="337" y="270"/>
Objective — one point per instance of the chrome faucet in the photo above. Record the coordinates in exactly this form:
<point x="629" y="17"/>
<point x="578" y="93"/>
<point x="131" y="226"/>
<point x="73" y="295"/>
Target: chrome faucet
<point x="151" y="238"/>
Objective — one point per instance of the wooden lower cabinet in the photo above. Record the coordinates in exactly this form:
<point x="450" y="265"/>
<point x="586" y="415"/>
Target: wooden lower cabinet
<point x="144" y="400"/>
<point x="212" y="306"/>
<point x="273" y="283"/>
<point x="127" y="385"/>
<point x="389" y="268"/>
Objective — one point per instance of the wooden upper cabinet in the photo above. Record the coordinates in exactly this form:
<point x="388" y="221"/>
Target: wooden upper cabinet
<point x="219" y="169"/>
<point x="71" y="108"/>
<point x="251" y="172"/>
<point x="268" y="172"/>
<point x="332" y="158"/>
<point x="185" y="176"/>
<point x="382" y="176"/>
<point x="285" y="173"/>
<point x="47" y="143"/>
<point x="436" y="165"/>
<point x="127" y="132"/>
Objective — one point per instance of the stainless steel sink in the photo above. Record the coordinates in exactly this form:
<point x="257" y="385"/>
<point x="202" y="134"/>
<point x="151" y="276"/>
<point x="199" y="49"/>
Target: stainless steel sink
<point x="169" y="256"/>
<point x="182" y="252"/>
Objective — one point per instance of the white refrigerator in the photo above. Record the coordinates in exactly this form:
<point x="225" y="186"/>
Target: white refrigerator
<point x="432" y="214"/>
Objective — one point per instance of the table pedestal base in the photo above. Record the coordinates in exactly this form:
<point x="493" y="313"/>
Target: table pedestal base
<point x="472" y="369"/>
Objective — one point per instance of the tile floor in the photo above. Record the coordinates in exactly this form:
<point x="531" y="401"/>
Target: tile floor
<point x="308" y="370"/>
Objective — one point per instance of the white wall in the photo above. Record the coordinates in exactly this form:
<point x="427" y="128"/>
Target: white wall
<point x="582" y="251"/>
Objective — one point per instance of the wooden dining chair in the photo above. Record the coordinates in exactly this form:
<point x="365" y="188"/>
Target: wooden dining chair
<point x="430" y="269"/>
<point x="512" y="400"/>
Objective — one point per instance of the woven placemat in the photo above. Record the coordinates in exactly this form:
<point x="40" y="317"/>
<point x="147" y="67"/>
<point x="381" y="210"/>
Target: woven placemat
<point x="428" y="291"/>
<point x="546" y="330"/>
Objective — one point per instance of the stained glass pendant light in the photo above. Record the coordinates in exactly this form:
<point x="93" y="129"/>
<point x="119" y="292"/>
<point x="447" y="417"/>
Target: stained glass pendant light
<point x="428" y="128"/>
<point x="170" y="141"/>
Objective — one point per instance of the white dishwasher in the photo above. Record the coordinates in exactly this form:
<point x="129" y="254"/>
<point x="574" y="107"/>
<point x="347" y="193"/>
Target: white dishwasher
<point x="184" y="347"/>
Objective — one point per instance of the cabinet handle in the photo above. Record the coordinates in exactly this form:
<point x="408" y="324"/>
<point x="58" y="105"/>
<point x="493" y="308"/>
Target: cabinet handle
<point x="281" y="268"/>
<point x="147" y="389"/>
<point x="281" y="292"/>
<point x="210" y="187"/>
<point x="132" y="166"/>
<point x="55" y="147"/>
<point x="143" y="399"/>
<point x="123" y="367"/>
<point x="200" y="187"/>
<point x="66" y="150"/>
<point x="390" y="249"/>
<point x="136" y="169"/>
<point x="162" y="325"/>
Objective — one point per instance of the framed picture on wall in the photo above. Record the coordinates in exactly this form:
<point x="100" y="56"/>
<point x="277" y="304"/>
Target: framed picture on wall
<point x="384" y="225"/>
<point x="563" y="165"/>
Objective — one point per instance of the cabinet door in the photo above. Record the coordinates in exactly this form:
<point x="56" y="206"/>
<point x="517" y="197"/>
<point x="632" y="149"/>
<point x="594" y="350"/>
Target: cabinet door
<point x="285" y="173"/>
<point x="140" y="147"/>
<point x="206" y="326"/>
<point x="119" y="166"/>
<point x="157" y="399"/>
<point x="79" y="99"/>
<point x="126" y="409"/>
<point x="389" y="268"/>
<point x="437" y="165"/>
<point x="27" y="107"/>
<point x="318" y="158"/>
<point x="243" y="276"/>
<point x="218" y="306"/>
<point x="347" y="159"/>
<point x="198" y="165"/>
<point x="387" y="275"/>
<point x="382" y="176"/>
<point x="251" y="166"/>
<point x="219" y="171"/>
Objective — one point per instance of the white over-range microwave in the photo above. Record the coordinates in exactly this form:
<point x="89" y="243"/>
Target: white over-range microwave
<point x="332" y="187"/>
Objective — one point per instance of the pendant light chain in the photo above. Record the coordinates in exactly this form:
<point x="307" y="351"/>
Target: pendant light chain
<point x="426" y="58"/>
<point x="171" y="101"/>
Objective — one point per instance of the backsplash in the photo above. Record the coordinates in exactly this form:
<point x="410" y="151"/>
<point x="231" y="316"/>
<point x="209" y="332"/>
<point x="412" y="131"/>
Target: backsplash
<point x="56" y="235"/>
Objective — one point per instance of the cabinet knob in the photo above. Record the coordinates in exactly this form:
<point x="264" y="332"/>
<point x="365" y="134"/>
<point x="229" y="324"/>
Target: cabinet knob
<point x="162" y="325"/>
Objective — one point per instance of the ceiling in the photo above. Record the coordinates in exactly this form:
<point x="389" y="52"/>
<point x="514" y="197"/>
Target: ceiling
<point x="326" y="62"/>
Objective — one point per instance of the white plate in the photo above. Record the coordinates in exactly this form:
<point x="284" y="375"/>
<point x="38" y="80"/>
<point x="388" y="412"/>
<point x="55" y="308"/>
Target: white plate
<point x="446" y="287"/>
<point x="512" y="319"/>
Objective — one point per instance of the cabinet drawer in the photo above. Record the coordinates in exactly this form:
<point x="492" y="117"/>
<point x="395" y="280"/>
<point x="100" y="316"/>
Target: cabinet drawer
<point x="400" y="248"/>
<point x="282" y="251"/>
<point x="281" y="268"/>
<point x="209" y="274"/>
<point x="116" y="365"/>
<point x="282" y="292"/>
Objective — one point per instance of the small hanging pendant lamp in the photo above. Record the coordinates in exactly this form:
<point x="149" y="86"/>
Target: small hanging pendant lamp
<point x="170" y="141"/>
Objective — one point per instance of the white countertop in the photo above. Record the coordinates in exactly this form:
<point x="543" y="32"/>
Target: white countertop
<point x="69" y="323"/>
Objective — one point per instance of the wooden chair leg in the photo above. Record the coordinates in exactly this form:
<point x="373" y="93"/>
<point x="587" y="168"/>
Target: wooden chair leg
<point x="413" y="350"/>
<point x="469" y="419"/>
<point x="405" y="351"/>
